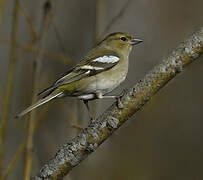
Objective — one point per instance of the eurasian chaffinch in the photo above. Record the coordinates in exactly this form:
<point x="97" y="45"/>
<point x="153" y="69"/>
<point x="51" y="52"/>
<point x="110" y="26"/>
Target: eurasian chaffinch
<point x="98" y="73"/>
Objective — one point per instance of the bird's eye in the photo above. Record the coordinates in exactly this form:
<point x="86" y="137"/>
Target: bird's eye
<point x="123" y="38"/>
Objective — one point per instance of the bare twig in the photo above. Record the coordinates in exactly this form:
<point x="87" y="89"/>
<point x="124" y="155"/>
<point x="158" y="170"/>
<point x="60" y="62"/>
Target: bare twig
<point x="13" y="162"/>
<point x="58" y="37"/>
<point x="2" y="6"/>
<point x="88" y="140"/>
<point x="34" y="49"/>
<point x="114" y="20"/>
<point x="37" y="69"/>
<point x="10" y="81"/>
<point x="79" y="127"/>
<point x="1" y="95"/>
<point x="49" y="11"/>
<point x="99" y="19"/>
<point x="42" y="52"/>
<point x="35" y="36"/>
<point x="31" y="25"/>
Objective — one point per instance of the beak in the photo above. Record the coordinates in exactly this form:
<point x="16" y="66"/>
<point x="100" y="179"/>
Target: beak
<point x="135" y="41"/>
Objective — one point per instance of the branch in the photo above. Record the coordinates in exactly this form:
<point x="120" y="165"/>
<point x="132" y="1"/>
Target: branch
<point x="3" y="4"/>
<point x="88" y="140"/>
<point x="41" y="52"/>
<point x="34" y="34"/>
<point x="113" y="21"/>
<point x="37" y="66"/>
<point x="10" y="82"/>
<point x="13" y="162"/>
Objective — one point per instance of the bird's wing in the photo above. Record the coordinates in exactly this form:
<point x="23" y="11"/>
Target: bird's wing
<point x="88" y="67"/>
<point x="98" y="60"/>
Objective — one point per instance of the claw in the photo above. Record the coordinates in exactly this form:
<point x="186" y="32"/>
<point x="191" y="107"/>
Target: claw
<point x="119" y="103"/>
<point x="92" y="119"/>
<point x="123" y="92"/>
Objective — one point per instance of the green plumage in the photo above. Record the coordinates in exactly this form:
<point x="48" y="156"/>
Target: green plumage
<point x="98" y="73"/>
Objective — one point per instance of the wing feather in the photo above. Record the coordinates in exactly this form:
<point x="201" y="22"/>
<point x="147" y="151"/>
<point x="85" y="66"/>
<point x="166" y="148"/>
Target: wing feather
<point x="89" y="66"/>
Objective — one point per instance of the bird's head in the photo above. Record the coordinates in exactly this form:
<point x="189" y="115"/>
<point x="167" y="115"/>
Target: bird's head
<point x="121" y="42"/>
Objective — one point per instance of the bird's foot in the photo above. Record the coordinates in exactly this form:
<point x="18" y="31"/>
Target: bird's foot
<point x="119" y="103"/>
<point x="91" y="120"/>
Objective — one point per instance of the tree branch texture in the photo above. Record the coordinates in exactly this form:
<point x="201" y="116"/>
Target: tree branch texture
<point x="88" y="140"/>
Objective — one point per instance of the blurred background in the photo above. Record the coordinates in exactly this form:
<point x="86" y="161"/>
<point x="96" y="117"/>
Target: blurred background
<point x="40" y="40"/>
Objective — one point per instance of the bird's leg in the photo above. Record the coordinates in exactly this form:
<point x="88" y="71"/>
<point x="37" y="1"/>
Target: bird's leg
<point x="120" y="105"/>
<point x="118" y="99"/>
<point x="88" y="109"/>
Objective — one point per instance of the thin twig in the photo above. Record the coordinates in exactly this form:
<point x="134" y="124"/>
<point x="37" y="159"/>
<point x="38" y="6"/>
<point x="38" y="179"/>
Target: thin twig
<point x="58" y="37"/>
<point x="49" y="11"/>
<point x="2" y="7"/>
<point x="31" y="25"/>
<point x="37" y="70"/>
<point x="114" y="20"/>
<point x="42" y="52"/>
<point x="34" y="49"/>
<point x="99" y="18"/>
<point x="13" y="161"/>
<point x="88" y="140"/>
<point x="1" y="94"/>
<point x="10" y="81"/>
<point x="79" y="127"/>
<point x="35" y="34"/>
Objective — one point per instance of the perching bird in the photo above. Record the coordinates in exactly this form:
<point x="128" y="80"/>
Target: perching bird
<point x="103" y="69"/>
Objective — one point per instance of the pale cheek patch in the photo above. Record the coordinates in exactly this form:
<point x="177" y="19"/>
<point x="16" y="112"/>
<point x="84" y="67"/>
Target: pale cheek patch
<point x="107" y="59"/>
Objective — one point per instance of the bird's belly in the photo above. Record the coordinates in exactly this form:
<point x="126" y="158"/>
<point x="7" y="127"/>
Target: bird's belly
<point x="102" y="86"/>
<point x="107" y="85"/>
<point x="109" y="82"/>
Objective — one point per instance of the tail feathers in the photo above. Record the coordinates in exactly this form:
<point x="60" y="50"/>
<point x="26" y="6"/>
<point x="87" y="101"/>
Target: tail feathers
<point x="39" y="103"/>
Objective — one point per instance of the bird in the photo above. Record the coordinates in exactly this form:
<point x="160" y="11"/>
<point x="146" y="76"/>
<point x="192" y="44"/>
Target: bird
<point x="103" y="69"/>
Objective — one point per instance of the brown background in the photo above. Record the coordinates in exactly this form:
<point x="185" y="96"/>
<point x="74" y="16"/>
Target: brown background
<point x="163" y="140"/>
